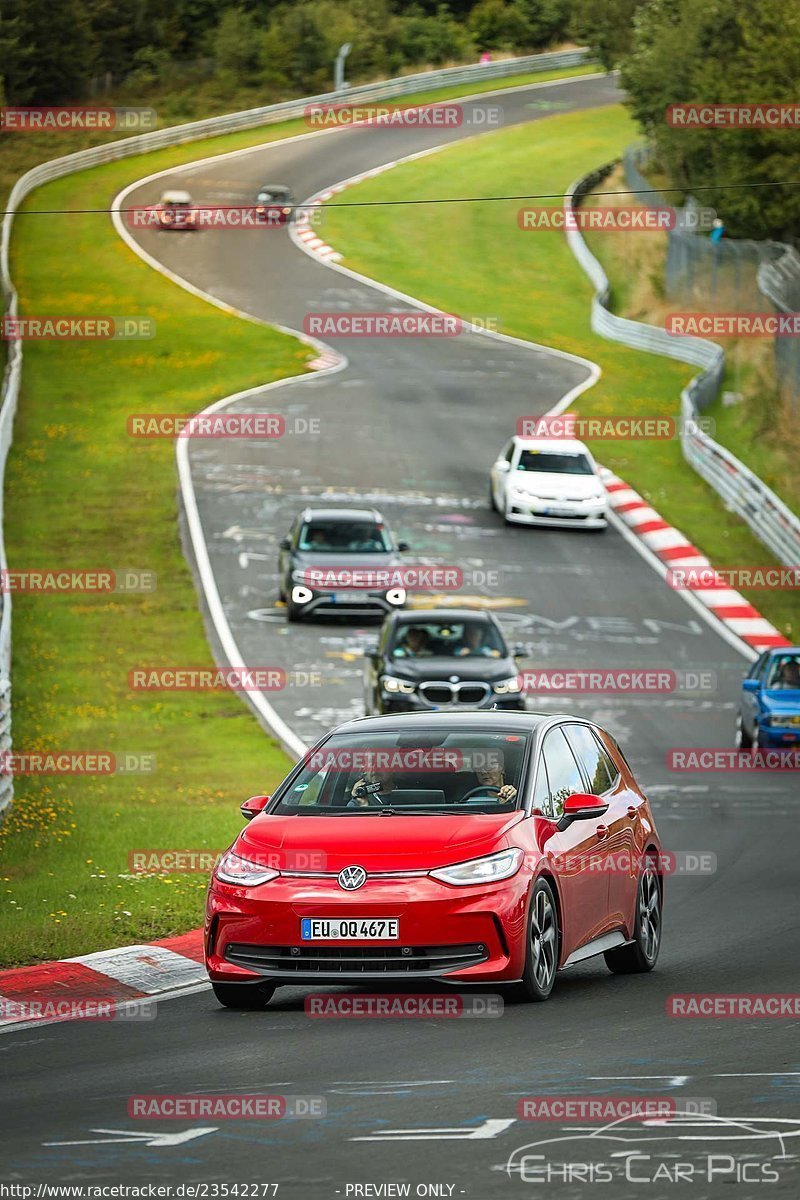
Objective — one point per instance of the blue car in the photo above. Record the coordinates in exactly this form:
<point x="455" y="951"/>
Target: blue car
<point x="769" y="705"/>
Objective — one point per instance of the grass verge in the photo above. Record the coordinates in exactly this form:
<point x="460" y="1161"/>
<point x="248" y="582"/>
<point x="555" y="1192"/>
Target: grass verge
<point x="473" y="260"/>
<point x="81" y="494"/>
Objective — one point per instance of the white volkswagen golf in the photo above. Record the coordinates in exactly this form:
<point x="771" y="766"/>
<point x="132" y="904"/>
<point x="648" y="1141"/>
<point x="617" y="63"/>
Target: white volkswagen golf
<point x="548" y="481"/>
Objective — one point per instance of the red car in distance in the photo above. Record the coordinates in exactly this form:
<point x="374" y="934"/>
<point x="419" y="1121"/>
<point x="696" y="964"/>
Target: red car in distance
<point x="477" y="848"/>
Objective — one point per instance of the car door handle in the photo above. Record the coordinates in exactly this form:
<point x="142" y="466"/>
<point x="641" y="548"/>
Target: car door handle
<point x="602" y="831"/>
<point x="633" y="812"/>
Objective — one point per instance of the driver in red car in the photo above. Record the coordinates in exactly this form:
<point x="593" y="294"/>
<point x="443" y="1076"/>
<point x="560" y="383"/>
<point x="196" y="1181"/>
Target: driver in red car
<point x="492" y="775"/>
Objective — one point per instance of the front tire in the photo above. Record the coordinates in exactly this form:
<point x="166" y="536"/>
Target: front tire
<point x="243" y="995"/>
<point x="642" y="953"/>
<point x="293" y="612"/>
<point x="492" y="501"/>
<point x="542" y="945"/>
<point x="743" y="739"/>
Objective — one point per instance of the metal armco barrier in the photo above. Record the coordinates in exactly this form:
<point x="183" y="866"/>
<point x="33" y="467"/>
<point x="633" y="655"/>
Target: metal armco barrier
<point x="773" y="523"/>
<point x="142" y="143"/>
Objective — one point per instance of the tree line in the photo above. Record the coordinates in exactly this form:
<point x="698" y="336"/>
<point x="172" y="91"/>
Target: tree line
<point x="668" y="52"/>
<point x="713" y="51"/>
<point x="59" y="51"/>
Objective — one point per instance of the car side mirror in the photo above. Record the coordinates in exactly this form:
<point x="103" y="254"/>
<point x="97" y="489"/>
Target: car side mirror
<point x="403" y="546"/>
<point x="520" y="650"/>
<point x="371" y="650"/>
<point x="750" y="685"/>
<point x="503" y="464"/>
<point x="285" y="544"/>
<point x="252" y="807"/>
<point x="582" y="806"/>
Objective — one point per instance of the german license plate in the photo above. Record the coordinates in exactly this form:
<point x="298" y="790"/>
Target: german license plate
<point x="346" y="597"/>
<point x="351" y="929"/>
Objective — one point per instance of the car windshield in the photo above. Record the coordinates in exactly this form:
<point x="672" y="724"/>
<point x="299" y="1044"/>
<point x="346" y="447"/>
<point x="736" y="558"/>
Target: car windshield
<point x="555" y="464"/>
<point x="275" y="195"/>
<point x="447" y="639"/>
<point x="784" y="672"/>
<point x="404" y="773"/>
<point x="344" y="537"/>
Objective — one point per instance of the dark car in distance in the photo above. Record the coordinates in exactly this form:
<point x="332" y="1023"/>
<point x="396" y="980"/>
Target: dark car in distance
<point x="453" y="659"/>
<point x="340" y="562"/>
<point x="275" y="205"/>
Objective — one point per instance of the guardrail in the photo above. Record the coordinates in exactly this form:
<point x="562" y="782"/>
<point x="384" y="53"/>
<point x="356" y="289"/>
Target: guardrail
<point x="173" y="136"/>
<point x="773" y="523"/>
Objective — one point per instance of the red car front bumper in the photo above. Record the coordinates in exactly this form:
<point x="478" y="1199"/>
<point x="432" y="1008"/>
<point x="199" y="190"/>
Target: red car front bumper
<point x="254" y="933"/>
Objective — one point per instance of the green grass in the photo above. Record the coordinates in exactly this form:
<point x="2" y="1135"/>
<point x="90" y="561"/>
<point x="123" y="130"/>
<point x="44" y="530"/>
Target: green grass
<point x="80" y="493"/>
<point x="472" y="259"/>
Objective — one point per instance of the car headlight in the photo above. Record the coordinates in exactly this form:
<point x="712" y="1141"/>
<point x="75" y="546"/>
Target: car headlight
<point x="392" y="684"/>
<point x="286" y="211"/>
<point x="506" y="686"/>
<point x="483" y="870"/>
<point x="232" y="868"/>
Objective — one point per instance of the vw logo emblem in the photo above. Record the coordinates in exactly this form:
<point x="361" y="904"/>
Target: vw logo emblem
<point x="454" y="679"/>
<point x="352" y="878"/>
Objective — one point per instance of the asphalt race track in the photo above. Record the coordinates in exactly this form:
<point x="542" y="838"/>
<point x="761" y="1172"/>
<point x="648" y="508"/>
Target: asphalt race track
<point x="412" y="427"/>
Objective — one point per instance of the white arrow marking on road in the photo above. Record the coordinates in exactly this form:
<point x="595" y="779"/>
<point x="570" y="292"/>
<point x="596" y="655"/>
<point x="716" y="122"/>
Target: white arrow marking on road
<point x="238" y="533"/>
<point x="245" y="556"/>
<point x="490" y="1128"/>
<point x="145" y="1139"/>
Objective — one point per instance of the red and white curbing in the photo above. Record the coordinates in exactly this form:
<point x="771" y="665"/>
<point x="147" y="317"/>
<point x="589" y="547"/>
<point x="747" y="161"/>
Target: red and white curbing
<point x="674" y="550"/>
<point x="303" y="230"/>
<point x="59" y="991"/>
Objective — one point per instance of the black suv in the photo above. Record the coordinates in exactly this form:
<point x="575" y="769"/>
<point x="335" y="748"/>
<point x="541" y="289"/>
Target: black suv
<point x="441" y="659"/>
<point x="340" y="561"/>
